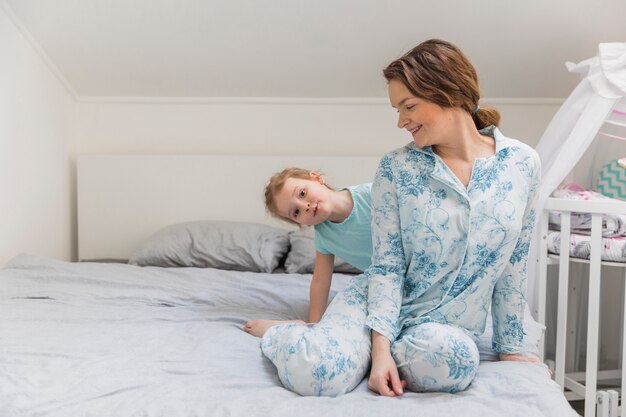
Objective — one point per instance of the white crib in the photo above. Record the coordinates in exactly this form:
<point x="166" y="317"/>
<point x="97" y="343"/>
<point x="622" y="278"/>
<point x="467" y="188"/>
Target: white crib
<point x="581" y="385"/>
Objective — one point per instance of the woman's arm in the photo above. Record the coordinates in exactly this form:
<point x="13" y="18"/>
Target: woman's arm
<point x="320" y="285"/>
<point x="509" y="295"/>
<point x="387" y="272"/>
<point x="386" y="277"/>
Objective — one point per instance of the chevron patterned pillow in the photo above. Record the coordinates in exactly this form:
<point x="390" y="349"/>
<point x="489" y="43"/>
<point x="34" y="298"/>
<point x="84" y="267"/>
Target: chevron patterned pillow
<point x="612" y="179"/>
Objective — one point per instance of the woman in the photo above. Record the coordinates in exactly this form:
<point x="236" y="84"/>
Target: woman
<point x="453" y="212"/>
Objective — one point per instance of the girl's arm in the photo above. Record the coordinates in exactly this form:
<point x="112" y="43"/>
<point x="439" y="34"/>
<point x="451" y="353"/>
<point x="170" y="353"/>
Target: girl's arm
<point x="320" y="285"/>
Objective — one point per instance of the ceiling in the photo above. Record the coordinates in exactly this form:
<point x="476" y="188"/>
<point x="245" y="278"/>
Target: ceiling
<point x="309" y="48"/>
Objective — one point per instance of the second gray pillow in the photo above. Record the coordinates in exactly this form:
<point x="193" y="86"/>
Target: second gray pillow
<point x="301" y="257"/>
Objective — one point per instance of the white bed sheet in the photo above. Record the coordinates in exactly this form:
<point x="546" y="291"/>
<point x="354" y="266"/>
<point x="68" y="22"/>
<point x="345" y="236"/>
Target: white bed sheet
<point x="94" y="340"/>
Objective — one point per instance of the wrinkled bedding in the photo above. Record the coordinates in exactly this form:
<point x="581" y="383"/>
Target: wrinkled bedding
<point x="90" y="339"/>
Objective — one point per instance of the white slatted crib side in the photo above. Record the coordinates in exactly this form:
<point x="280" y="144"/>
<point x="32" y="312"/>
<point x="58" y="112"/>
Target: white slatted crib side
<point x="543" y="278"/>
<point x="593" y="315"/>
<point x="595" y="401"/>
<point x="561" y="322"/>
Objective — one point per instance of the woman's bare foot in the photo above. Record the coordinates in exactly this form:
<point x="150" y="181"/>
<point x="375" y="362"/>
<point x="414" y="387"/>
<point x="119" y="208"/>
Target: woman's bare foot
<point x="259" y="327"/>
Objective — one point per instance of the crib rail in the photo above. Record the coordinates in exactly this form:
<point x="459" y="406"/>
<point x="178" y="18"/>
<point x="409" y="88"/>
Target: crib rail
<point x="588" y="390"/>
<point x="586" y="206"/>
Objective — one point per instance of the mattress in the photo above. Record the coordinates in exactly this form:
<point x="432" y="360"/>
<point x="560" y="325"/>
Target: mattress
<point x="91" y="339"/>
<point x="612" y="249"/>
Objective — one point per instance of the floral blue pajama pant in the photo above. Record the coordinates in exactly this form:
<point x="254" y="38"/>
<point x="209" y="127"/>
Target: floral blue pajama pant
<point x="332" y="357"/>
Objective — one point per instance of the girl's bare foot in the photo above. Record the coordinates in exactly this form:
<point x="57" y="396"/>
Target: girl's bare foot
<point x="259" y="327"/>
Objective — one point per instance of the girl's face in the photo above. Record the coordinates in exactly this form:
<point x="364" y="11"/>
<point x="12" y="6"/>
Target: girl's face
<point x="305" y="202"/>
<point x="426" y="121"/>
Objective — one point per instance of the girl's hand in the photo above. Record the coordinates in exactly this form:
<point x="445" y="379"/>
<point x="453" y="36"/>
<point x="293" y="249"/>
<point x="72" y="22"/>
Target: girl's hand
<point x="516" y="357"/>
<point x="384" y="378"/>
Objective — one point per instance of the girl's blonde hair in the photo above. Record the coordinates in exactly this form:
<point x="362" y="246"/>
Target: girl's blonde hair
<point x="439" y="72"/>
<point x="276" y="184"/>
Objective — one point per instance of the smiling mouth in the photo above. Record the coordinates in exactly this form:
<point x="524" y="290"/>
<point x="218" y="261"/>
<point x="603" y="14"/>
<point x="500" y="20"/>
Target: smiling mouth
<point x="315" y="210"/>
<point x="415" y="130"/>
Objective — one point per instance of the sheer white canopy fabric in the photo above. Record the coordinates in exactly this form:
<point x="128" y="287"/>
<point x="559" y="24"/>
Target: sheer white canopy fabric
<point x="573" y="129"/>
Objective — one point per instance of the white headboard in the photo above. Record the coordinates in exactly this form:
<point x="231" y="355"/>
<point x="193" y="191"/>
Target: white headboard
<point x="123" y="199"/>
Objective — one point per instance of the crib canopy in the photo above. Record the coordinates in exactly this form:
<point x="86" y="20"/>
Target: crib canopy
<point x="574" y="127"/>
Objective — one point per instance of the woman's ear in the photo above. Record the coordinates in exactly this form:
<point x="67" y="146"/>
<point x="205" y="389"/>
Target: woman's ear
<point x="316" y="176"/>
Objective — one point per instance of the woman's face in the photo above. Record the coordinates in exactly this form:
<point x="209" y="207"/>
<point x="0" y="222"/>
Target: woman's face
<point x="423" y="119"/>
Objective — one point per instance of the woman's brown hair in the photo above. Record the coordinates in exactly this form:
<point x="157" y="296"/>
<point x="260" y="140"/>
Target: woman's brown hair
<point x="439" y="72"/>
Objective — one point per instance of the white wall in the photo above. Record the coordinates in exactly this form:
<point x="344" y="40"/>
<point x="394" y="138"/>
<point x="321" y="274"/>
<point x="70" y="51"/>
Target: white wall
<point x="314" y="127"/>
<point x="43" y="125"/>
<point x="36" y="143"/>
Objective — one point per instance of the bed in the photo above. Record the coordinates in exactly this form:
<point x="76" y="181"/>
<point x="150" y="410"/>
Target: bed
<point x="98" y="338"/>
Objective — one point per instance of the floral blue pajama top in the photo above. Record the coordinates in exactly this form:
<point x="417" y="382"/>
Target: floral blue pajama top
<point x="442" y="252"/>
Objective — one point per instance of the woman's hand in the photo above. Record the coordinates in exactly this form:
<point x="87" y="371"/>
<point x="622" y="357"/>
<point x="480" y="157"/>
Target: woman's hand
<point x="516" y="357"/>
<point x="384" y="378"/>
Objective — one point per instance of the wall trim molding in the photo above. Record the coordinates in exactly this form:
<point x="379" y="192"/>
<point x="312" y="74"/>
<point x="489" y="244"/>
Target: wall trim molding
<point x="310" y="101"/>
<point x="322" y="101"/>
<point x="38" y="49"/>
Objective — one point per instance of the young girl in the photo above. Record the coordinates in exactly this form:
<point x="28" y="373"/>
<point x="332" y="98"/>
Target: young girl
<point x="342" y="227"/>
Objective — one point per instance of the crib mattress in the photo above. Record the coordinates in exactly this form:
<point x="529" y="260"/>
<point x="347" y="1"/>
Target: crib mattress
<point x="612" y="249"/>
<point x="101" y="340"/>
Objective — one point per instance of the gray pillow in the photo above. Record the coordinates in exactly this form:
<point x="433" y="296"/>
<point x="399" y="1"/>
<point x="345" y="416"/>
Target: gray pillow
<point x="301" y="256"/>
<point x="211" y="244"/>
